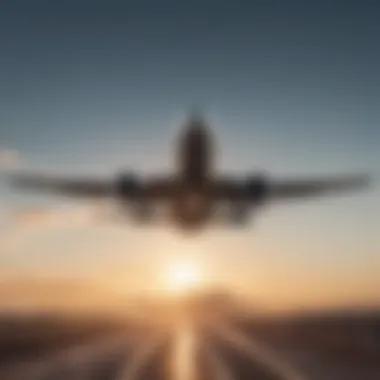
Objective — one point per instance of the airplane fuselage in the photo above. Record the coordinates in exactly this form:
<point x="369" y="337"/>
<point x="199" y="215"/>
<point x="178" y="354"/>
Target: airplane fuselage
<point x="193" y="204"/>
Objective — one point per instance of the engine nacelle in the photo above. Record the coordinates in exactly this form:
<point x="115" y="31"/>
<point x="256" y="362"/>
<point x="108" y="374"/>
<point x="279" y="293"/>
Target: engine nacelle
<point x="128" y="186"/>
<point x="256" y="189"/>
<point x="255" y="192"/>
<point x="131" y="191"/>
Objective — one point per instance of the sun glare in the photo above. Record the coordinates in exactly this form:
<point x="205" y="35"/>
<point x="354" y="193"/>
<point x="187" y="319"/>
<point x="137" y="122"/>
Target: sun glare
<point x="182" y="276"/>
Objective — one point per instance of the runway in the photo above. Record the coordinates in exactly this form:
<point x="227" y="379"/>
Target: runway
<point x="185" y="351"/>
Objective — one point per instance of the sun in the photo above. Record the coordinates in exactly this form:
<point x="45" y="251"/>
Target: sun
<point x="182" y="277"/>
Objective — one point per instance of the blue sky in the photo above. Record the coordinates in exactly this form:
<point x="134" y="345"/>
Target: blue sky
<point x="292" y="89"/>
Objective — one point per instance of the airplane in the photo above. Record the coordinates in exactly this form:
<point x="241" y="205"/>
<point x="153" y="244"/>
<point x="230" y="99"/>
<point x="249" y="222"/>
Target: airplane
<point x="195" y="195"/>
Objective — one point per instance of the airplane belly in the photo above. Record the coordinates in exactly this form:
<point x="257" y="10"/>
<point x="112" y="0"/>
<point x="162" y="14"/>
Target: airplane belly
<point x="192" y="209"/>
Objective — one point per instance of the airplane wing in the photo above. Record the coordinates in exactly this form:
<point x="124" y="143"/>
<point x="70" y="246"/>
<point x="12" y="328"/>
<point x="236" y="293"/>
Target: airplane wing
<point x="262" y="189"/>
<point x="314" y="187"/>
<point x="124" y="186"/>
<point x="80" y="187"/>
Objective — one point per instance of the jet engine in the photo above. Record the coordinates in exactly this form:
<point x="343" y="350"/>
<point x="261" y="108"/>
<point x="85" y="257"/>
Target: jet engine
<point x="129" y="187"/>
<point x="254" y="192"/>
<point x="256" y="189"/>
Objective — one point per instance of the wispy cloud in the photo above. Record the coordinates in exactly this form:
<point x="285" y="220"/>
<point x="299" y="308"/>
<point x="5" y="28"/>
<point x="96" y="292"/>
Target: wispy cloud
<point x="10" y="159"/>
<point x="57" y="218"/>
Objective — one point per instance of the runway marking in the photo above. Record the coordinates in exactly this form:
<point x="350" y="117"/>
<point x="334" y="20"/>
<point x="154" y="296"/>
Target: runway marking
<point x="183" y="353"/>
<point x="258" y="351"/>
<point x="141" y="358"/>
<point x="220" y="369"/>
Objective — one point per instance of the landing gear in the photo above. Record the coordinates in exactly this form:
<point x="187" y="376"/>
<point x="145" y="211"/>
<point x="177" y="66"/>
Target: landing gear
<point x="142" y="211"/>
<point x="240" y="213"/>
<point x="137" y="211"/>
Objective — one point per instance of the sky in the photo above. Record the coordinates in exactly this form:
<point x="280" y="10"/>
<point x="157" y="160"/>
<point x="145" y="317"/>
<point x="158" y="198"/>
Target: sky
<point x="291" y="89"/>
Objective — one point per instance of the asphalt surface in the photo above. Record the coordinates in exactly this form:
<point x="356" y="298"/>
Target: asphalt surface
<point x="182" y="352"/>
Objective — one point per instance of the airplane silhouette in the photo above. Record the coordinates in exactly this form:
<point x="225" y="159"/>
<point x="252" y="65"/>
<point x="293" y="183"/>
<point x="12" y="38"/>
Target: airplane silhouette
<point x="195" y="195"/>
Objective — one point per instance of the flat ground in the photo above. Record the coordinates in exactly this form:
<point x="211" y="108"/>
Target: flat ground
<point x="51" y="347"/>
